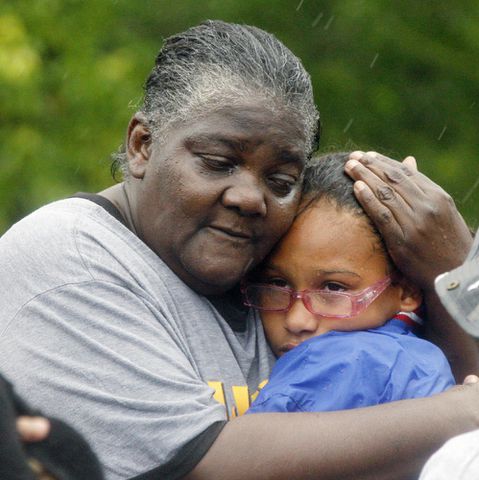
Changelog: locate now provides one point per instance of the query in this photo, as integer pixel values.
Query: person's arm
(425, 235)
(390, 441)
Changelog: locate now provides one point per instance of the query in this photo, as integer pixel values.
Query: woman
(120, 308)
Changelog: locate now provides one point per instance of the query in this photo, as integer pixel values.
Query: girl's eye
(334, 287)
(282, 184)
(217, 163)
(277, 282)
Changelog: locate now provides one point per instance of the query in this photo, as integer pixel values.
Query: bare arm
(390, 441)
(425, 235)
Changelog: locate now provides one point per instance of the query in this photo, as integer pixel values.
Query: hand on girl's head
(409, 209)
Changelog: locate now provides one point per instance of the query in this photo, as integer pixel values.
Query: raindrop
(330, 21)
(442, 133)
(317, 19)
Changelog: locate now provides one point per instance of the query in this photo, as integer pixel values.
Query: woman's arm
(425, 235)
(390, 441)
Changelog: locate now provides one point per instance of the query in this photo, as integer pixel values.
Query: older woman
(119, 310)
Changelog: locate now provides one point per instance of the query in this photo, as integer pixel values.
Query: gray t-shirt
(95, 329)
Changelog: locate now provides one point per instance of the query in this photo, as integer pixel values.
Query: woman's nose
(300, 321)
(246, 195)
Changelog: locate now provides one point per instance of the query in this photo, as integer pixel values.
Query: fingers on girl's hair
(360, 170)
(356, 155)
(367, 158)
(384, 167)
(380, 214)
(392, 181)
(410, 162)
(361, 165)
(351, 168)
(366, 178)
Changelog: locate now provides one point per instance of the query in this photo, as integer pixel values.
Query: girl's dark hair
(325, 178)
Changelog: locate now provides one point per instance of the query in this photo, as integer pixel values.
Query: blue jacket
(343, 370)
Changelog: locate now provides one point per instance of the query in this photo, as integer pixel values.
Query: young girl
(337, 312)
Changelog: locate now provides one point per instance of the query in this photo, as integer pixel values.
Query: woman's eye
(217, 164)
(334, 287)
(282, 184)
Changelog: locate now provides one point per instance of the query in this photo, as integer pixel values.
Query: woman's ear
(138, 146)
(411, 296)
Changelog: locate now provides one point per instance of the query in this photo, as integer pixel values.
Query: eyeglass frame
(358, 304)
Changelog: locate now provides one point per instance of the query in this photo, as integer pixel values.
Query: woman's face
(218, 192)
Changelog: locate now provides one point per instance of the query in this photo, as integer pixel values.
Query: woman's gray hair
(216, 64)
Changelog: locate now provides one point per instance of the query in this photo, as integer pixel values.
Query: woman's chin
(215, 278)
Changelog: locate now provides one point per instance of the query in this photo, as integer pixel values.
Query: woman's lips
(237, 234)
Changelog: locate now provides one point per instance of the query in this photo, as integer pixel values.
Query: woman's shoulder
(73, 240)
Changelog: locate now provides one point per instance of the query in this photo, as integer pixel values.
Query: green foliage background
(400, 77)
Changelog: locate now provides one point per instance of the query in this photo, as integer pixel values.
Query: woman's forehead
(244, 127)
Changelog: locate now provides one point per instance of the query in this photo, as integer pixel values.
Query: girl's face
(328, 248)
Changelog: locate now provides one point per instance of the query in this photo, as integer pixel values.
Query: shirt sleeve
(105, 360)
(357, 369)
(417, 369)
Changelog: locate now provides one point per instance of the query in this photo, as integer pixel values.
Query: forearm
(386, 442)
(460, 348)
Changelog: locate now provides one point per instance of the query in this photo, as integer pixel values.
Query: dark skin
(386, 442)
(227, 186)
(390, 441)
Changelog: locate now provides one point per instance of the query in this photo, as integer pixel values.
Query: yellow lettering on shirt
(219, 394)
(242, 398)
(260, 386)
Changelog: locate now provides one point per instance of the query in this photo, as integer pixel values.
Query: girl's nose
(300, 321)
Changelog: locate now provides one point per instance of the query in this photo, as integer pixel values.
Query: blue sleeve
(420, 370)
(346, 370)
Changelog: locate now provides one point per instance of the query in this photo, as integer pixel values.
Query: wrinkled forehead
(247, 127)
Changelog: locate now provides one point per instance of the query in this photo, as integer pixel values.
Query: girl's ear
(411, 296)
(138, 146)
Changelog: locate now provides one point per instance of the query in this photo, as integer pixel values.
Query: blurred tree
(397, 77)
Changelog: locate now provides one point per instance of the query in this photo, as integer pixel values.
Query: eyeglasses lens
(267, 298)
(273, 298)
(329, 304)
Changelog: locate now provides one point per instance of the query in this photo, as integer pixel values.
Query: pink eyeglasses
(325, 303)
